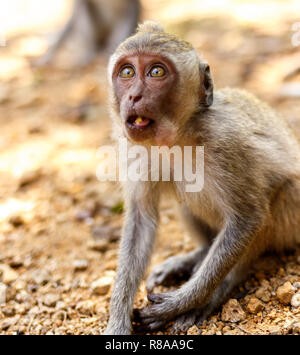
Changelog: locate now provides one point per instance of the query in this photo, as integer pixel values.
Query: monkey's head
(158, 82)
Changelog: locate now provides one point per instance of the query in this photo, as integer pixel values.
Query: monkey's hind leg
(180, 267)
(220, 295)
(175, 268)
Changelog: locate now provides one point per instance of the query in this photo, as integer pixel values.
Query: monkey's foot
(173, 270)
(166, 308)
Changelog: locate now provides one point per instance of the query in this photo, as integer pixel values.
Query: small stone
(7, 323)
(295, 301)
(194, 330)
(295, 327)
(232, 312)
(5, 96)
(9, 311)
(285, 293)
(274, 330)
(263, 294)
(296, 285)
(80, 265)
(51, 299)
(106, 232)
(29, 177)
(86, 308)
(102, 285)
(83, 215)
(293, 269)
(254, 306)
(16, 220)
(41, 277)
(16, 262)
(3, 290)
(98, 245)
(7, 274)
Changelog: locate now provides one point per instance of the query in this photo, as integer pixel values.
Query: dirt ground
(60, 226)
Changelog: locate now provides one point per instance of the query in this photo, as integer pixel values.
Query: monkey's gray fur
(250, 202)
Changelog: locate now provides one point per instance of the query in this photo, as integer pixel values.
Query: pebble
(86, 307)
(263, 294)
(232, 312)
(296, 285)
(7, 323)
(98, 245)
(51, 299)
(9, 311)
(106, 232)
(3, 289)
(80, 265)
(293, 269)
(295, 301)
(295, 327)
(285, 293)
(7, 274)
(102, 285)
(254, 306)
(16, 262)
(29, 177)
(194, 330)
(16, 220)
(274, 329)
(41, 277)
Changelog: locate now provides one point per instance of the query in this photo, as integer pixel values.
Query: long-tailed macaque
(162, 94)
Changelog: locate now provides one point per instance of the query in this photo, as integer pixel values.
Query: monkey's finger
(156, 278)
(148, 327)
(143, 315)
(156, 297)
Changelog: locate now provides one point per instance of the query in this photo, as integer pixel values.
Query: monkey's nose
(135, 98)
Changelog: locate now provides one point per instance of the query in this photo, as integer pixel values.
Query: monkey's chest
(203, 204)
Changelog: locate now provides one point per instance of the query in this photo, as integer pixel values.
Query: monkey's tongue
(141, 122)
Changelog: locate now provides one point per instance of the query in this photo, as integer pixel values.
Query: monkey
(101, 25)
(162, 94)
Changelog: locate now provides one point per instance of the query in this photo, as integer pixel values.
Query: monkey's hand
(164, 308)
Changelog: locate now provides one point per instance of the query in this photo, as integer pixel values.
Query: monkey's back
(252, 159)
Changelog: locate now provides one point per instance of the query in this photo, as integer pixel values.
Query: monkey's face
(145, 89)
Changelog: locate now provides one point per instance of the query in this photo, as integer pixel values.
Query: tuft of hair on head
(150, 26)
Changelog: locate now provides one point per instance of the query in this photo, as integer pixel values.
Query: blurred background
(59, 226)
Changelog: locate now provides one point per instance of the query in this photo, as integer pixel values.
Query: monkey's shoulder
(237, 115)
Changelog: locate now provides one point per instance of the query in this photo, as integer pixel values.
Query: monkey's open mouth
(139, 121)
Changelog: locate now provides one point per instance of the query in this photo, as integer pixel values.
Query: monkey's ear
(206, 86)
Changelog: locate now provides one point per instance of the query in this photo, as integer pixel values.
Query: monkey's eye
(127, 72)
(157, 72)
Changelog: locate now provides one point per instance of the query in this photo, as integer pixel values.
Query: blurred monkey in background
(100, 25)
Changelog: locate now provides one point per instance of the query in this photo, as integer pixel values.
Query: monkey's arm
(226, 252)
(135, 250)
